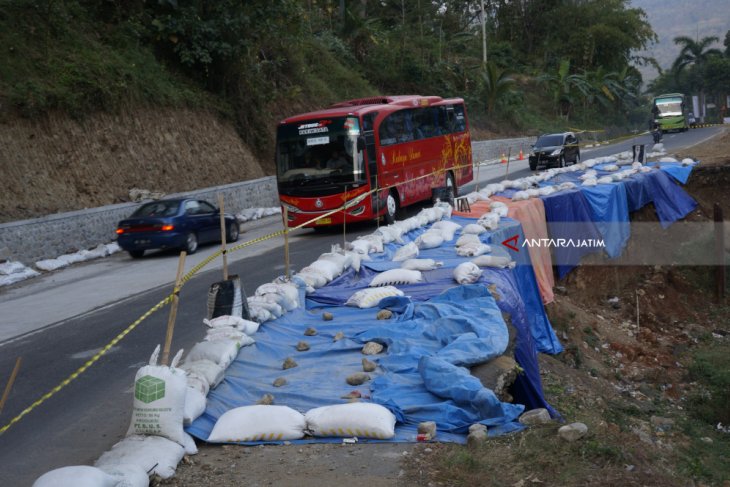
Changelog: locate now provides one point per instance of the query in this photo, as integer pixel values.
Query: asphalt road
(59, 321)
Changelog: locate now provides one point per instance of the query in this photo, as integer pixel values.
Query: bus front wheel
(391, 208)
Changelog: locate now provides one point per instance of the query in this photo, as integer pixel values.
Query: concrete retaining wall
(29, 241)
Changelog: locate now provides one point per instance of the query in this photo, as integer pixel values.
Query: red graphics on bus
(372, 155)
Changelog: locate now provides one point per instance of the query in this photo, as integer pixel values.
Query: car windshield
(549, 140)
(157, 208)
(319, 152)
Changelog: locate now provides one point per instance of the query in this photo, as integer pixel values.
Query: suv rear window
(549, 140)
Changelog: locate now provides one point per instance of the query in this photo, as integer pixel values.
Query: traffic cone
(503, 160)
(522, 156)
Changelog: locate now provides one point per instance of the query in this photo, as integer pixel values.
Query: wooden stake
(344, 221)
(9, 385)
(478, 167)
(223, 237)
(720, 254)
(637, 316)
(286, 242)
(509, 155)
(173, 309)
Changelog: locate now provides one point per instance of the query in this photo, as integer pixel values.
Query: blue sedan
(173, 224)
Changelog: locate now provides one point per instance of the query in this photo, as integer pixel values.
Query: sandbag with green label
(159, 400)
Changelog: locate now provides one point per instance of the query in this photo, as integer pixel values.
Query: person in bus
(337, 161)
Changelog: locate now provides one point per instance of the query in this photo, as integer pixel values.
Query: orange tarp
(531, 214)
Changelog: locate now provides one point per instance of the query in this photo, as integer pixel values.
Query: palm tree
(497, 83)
(694, 53)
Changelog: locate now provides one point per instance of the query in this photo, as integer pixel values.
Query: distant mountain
(673, 18)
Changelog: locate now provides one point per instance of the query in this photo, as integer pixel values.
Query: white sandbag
(258, 423)
(360, 419)
(259, 313)
(468, 238)
(396, 276)
(668, 159)
(375, 242)
(494, 261)
(128, 475)
(355, 261)
(260, 302)
(590, 182)
(224, 321)
(339, 259)
(589, 174)
(467, 273)
(473, 228)
(421, 264)
(368, 298)
(221, 352)
(687, 161)
(610, 168)
(362, 247)
(194, 405)
(154, 454)
(473, 249)
(159, 399)
(520, 196)
(287, 291)
(429, 240)
(500, 211)
(533, 193)
(408, 251)
(446, 207)
(312, 277)
(197, 380)
(328, 268)
(76, 476)
(207, 369)
(489, 221)
(189, 445)
(645, 169)
(546, 190)
(228, 333)
(448, 229)
(604, 180)
(566, 185)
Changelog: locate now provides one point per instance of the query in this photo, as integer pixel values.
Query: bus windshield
(669, 107)
(319, 152)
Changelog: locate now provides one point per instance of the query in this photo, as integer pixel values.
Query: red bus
(403, 146)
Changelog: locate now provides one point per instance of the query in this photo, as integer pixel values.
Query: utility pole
(484, 38)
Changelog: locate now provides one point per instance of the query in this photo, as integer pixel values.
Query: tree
(694, 52)
(497, 84)
(563, 85)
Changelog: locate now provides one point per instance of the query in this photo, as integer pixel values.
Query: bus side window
(460, 121)
(388, 131)
(420, 120)
(435, 113)
(450, 119)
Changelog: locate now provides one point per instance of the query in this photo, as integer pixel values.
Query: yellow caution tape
(167, 300)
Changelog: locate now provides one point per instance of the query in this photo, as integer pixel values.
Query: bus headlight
(290, 208)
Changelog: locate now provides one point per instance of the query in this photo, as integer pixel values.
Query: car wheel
(191, 243)
(232, 232)
(136, 254)
(451, 184)
(533, 166)
(577, 158)
(561, 161)
(391, 208)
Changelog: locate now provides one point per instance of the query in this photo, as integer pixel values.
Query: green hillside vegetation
(552, 64)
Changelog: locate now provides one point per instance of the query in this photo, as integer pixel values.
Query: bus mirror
(360, 143)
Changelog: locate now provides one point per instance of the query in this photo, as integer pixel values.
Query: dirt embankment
(59, 164)
(631, 336)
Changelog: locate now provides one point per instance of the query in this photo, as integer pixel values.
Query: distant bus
(401, 146)
(669, 112)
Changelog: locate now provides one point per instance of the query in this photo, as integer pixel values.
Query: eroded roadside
(644, 390)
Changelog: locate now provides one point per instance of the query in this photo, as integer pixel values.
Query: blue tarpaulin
(610, 212)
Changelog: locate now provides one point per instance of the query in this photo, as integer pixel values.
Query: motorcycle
(657, 135)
